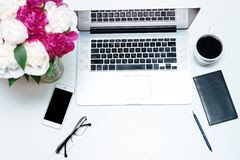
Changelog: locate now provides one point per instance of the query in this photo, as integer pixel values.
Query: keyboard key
(99, 67)
(170, 60)
(105, 45)
(120, 50)
(144, 49)
(162, 67)
(105, 67)
(167, 49)
(121, 55)
(128, 14)
(160, 60)
(154, 60)
(161, 49)
(119, 61)
(131, 67)
(164, 44)
(168, 66)
(136, 60)
(171, 13)
(95, 56)
(124, 61)
(94, 50)
(139, 55)
(145, 55)
(173, 49)
(151, 55)
(127, 55)
(112, 67)
(115, 55)
(137, 49)
(166, 18)
(125, 50)
(163, 55)
(130, 60)
(104, 55)
(142, 60)
(171, 43)
(158, 44)
(157, 14)
(93, 67)
(93, 45)
(148, 61)
(155, 49)
(105, 15)
(171, 55)
(93, 15)
(163, 13)
(134, 44)
(122, 14)
(157, 55)
(106, 61)
(112, 61)
(156, 66)
(133, 55)
(149, 50)
(109, 55)
(149, 66)
(102, 50)
(174, 67)
(96, 61)
(99, 15)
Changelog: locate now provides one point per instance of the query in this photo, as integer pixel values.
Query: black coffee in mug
(209, 47)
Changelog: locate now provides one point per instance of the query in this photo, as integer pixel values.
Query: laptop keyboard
(133, 54)
(133, 15)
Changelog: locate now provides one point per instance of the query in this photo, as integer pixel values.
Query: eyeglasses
(78, 130)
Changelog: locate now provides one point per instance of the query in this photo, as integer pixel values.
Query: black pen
(202, 131)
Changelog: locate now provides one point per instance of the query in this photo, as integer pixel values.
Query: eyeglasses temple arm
(61, 145)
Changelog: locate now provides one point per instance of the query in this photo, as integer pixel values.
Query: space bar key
(130, 67)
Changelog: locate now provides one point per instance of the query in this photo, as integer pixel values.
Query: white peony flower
(37, 58)
(1, 41)
(60, 18)
(9, 8)
(13, 31)
(8, 65)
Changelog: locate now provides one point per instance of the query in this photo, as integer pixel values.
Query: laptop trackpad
(136, 88)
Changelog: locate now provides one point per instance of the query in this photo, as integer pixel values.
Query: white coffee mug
(208, 48)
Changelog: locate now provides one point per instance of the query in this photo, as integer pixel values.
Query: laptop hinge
(147, 29)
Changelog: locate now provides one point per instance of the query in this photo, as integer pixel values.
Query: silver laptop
(134, 56)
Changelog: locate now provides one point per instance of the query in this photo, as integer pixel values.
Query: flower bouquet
(33, 35)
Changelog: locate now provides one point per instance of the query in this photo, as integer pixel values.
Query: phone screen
(58, 106)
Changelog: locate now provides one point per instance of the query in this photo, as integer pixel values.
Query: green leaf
(11, 81)
(20, 55)
(69, 29)
(36, 79)
(26, 76)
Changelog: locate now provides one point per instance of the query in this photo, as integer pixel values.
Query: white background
(128, 132)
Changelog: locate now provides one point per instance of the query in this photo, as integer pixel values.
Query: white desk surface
(132, 132)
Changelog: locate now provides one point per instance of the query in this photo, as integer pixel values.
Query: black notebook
(215, 97)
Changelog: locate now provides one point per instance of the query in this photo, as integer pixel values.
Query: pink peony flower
(33, 18)
(37, 3)
(57, 1)
(58, 44)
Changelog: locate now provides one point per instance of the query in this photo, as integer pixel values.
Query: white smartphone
(58, 105)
